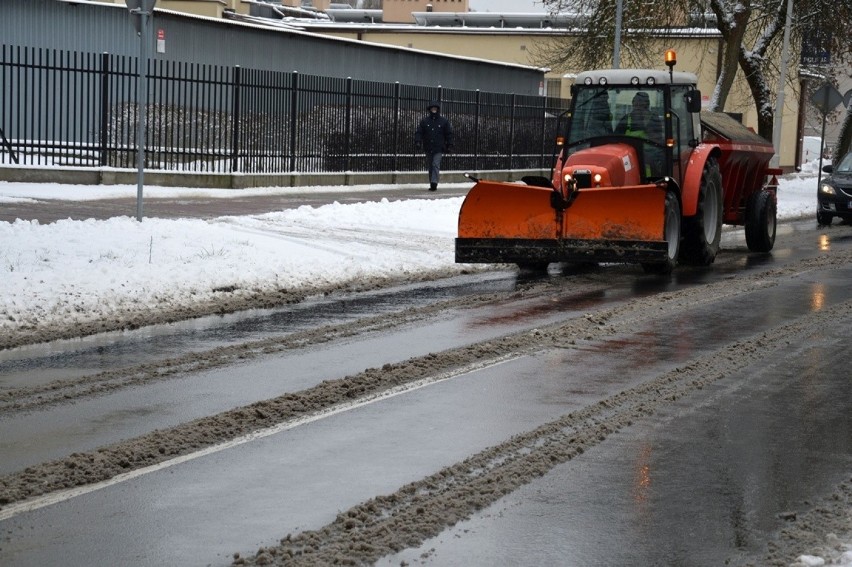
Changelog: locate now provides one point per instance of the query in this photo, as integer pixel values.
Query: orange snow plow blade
(507, 210)
(511, 223)
(617, 213)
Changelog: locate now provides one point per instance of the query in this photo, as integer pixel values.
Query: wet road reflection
(707, 482)
(74, 358)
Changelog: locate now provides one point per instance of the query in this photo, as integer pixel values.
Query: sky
(87, 270)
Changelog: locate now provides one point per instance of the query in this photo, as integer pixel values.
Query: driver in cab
(640, 122)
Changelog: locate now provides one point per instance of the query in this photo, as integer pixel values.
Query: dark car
(834, 197)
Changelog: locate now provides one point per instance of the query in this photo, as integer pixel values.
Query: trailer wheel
(823, 219)
(671, 234)
(760, 221)
(703, 232)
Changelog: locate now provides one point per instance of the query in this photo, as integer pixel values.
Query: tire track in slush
(423, 509)
(80, 469)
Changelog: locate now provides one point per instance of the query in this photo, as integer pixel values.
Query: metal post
(512, 133)
(476, 130)
(347, 127)
(235, 119)
(142, 10)
(142, 90)
(294, 116)
(396, 111)
(616, 50)
(105, 111)
(821, 148)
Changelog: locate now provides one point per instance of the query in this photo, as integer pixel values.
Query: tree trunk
(732, 26)
(760, 93)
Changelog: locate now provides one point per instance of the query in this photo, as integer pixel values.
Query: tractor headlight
(827, 189)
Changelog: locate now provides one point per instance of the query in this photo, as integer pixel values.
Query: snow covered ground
(96, 269)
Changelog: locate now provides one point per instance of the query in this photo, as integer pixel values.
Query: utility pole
(616, 50)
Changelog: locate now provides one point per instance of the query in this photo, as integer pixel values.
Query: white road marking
(63, 495)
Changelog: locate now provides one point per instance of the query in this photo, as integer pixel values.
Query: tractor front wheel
(703, 232)
(671, 234)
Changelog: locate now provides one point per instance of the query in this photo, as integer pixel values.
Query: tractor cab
(650, 117)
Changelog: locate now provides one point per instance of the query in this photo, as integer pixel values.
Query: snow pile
(84, 270)
(78, 271)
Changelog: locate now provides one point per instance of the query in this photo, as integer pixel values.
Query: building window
(553, 88)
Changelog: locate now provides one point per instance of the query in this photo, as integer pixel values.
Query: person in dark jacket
(435, 136)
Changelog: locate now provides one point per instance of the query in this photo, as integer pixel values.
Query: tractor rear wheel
(671, 234)
(703, 232)
(760, 221)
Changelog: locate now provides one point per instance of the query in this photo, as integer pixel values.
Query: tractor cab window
(592, 115)
(683, 128)
(640, 113)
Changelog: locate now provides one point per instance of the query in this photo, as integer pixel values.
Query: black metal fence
(80, 109)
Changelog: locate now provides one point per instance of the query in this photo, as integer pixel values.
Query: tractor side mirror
(693, 100)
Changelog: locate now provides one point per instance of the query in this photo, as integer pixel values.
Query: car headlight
(826, 189)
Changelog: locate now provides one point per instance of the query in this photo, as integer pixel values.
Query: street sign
(139, 9)
(815, 48)
(826, 98)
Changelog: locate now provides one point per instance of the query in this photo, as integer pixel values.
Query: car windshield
(845, 165)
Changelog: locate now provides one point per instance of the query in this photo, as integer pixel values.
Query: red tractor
(640, 175)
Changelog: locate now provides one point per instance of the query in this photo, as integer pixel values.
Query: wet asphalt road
(701, 482)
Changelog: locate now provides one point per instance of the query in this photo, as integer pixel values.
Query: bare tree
(751, 31)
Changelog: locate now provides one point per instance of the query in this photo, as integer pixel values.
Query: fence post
(544, 144)
(476, 130)
(105, 108)
(235, 119)
(396, 107)
(6, 143)
(347, 137)
(512, 133)
(294, 101)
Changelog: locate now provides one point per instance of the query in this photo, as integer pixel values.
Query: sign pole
(141, 10)
(142, 89)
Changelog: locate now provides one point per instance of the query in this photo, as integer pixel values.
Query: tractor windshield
(609, 111)
(603, 111)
